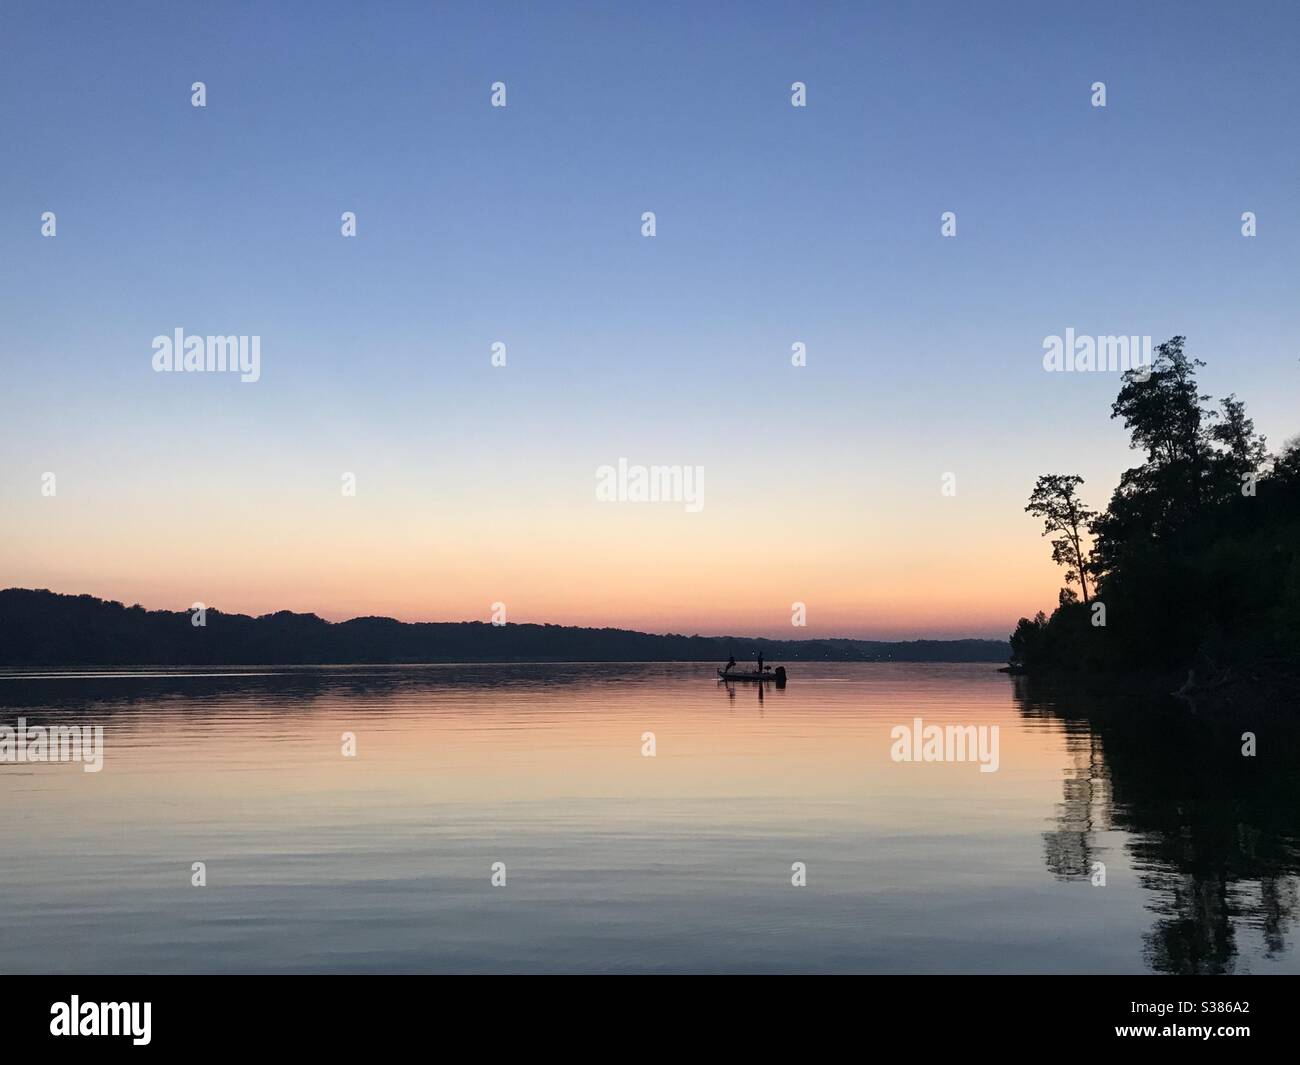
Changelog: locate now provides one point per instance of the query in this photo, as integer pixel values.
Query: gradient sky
(522, 225)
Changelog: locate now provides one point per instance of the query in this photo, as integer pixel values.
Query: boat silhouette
(776, 676)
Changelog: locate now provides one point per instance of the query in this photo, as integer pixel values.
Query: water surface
(615, 861)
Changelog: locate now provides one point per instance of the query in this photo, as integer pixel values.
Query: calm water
(616, 861)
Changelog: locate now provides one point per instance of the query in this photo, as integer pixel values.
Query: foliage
(1196, 559)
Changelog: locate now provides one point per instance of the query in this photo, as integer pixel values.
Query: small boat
(777, 675)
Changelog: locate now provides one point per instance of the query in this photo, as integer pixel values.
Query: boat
(777, 675)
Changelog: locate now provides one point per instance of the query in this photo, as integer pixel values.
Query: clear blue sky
(476, 224)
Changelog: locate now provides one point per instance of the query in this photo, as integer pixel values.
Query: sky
(774, 225)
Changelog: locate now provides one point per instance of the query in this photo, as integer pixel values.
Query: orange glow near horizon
(732, 572)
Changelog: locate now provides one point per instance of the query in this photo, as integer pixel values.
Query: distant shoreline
(234, 671)
(40, 629)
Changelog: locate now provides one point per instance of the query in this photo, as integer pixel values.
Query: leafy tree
(1286, 467)
(1055, 500)
(1245, 451)
(1194, 572)
(1237, 433)
(1162, 408)
(1026, 641)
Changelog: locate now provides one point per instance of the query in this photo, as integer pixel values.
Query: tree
(1055, 500)
(1026, 641)
(1160, 404)
(1164, 411)
(1286, 467)
(1246, 451)
(1194, 571)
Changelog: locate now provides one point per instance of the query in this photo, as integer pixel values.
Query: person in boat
(731, 663)
(760, 661)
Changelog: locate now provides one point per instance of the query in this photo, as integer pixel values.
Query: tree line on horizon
(40, 628)
(1195, 562)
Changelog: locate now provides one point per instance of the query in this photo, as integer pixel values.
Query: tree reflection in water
(1214, 836)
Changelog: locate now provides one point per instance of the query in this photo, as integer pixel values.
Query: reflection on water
(621, 862)
(1212, 834)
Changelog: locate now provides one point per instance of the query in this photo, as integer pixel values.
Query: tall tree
(1245, 451)
(1056, 501)
(1163, 409)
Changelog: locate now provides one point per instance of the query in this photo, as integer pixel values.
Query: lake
(754, 831)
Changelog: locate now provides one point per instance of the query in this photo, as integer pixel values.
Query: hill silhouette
(40, 628)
